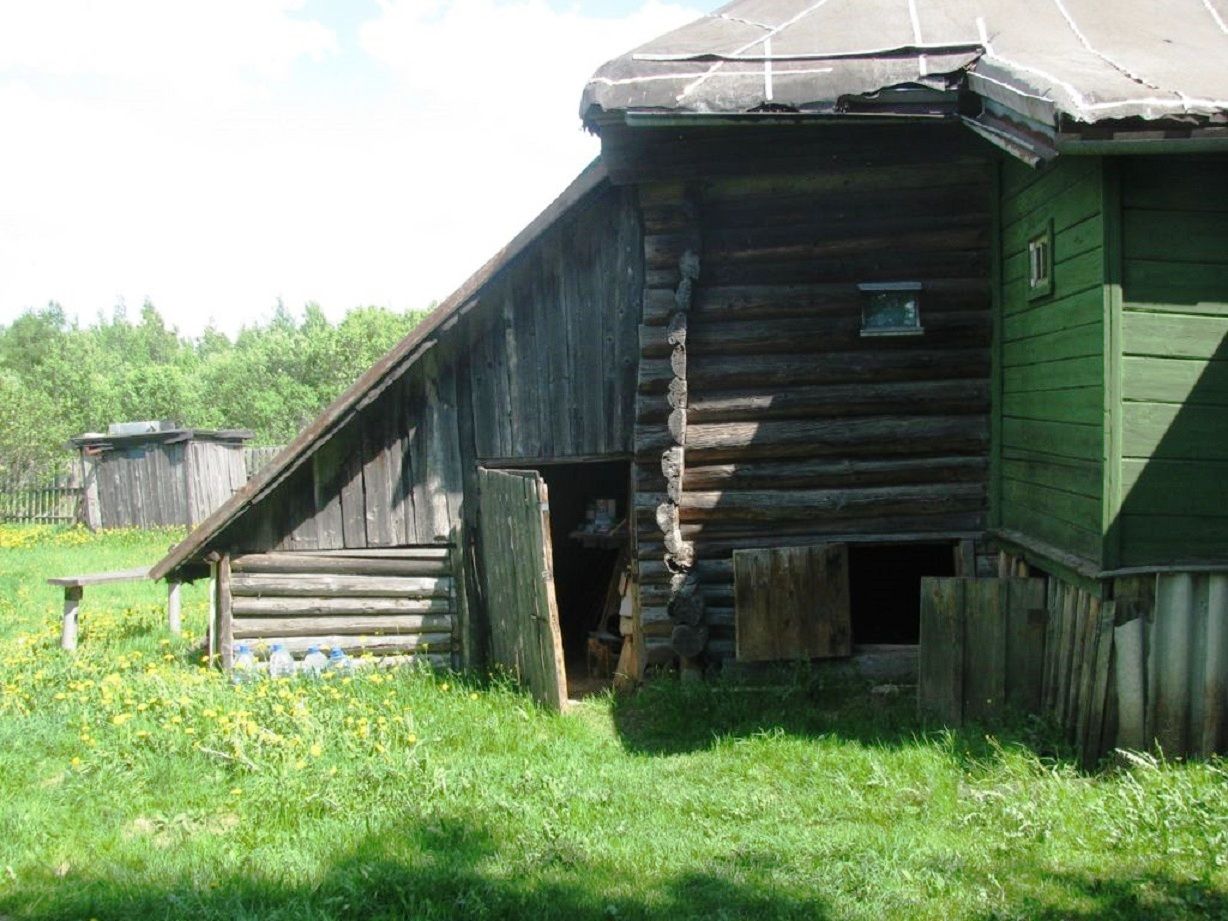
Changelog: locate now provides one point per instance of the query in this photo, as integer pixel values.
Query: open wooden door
(519, 577)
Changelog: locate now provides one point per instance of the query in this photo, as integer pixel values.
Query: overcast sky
(214, 157)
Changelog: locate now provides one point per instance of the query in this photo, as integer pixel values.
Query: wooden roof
(377, 378)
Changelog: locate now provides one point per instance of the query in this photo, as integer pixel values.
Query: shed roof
(167, 435)
(1087, 60)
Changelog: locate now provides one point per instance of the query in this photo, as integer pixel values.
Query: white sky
(214, 157)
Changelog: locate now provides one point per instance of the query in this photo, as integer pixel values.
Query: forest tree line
(59, 378)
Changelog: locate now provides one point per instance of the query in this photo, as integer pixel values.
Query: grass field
(137, 783)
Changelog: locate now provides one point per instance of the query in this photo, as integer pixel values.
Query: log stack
(399, 601)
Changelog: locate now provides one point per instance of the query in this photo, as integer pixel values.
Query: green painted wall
(1049, 415)
(1173, 373)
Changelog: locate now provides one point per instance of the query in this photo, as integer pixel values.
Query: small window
(1040, 263)
(891, 308)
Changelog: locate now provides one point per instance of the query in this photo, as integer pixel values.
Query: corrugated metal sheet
(1172, 667)
(1088, 59)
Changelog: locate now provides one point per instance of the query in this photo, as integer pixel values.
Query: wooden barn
(874, 324)
(158, 474)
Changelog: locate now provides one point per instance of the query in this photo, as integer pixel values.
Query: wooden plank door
(792, 603)
(981, 647)
(519, 579)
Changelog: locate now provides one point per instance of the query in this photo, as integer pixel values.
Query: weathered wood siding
(541, 365)
(1174, 361)
(553, 349)
(214, 470)
(151, 484)
(1050, 360)
(798, 429)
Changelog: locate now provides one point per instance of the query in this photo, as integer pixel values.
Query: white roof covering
(1086, 59)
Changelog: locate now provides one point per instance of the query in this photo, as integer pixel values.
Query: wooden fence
(26, 503)
(255, 457)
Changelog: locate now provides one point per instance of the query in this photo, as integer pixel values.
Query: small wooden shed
(158, 474)
(849, 302)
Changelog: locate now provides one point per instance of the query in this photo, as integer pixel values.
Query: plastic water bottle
(281, 663)
(338, 661)
(244, 668)
(314, 662)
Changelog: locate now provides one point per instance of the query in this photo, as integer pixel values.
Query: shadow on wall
(1174, 331)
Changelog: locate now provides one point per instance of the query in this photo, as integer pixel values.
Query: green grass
(135, 782)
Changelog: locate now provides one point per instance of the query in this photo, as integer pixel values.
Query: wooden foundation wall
(1144, 668)
(399, 601)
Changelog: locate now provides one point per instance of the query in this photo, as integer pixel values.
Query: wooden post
(212, 622)
(225, 618)
(72, 604)
(172, 607)
(92, 511)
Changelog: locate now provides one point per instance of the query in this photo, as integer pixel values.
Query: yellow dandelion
(316, 750)
(236, 791)
(120, 718)
(168, 657)
(411, 738)
(332, 772)
(444, 686)
(189, 731)
(75, 762)
(60, 695)
(473, 695)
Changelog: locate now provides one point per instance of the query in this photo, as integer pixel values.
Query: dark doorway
(586, 557)
(885, 589)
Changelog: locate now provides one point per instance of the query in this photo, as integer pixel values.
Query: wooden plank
(985, 638)
(100, 578)
(1094, 743)
(1165, 430)
(341, 565)
(324, 584)
(324, 606)
(554, 677)
(1026, 623)
(1173, 380)
(225, 613)
(792, 603)
(389, 625)
(941, 655)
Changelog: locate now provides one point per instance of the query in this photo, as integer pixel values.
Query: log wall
(798, 430)
(404, 602)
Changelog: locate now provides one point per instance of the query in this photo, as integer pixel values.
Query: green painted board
(1061, 439)
(1173, 380)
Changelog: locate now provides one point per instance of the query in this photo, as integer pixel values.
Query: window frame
(879, 287)
(1039, 252)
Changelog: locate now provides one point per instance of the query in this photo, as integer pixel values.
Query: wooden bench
(74, 591)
